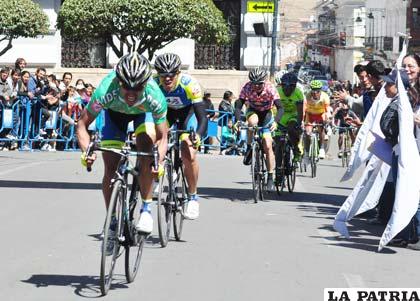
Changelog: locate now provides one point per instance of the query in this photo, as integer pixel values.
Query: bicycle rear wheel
(164, 205)
(135, 243)
(115, 209)
(280, 170)
(180, 200)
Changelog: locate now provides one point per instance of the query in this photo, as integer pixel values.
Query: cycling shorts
(314, 118)
(265, 120)
(114, 132)
(288, 117)
(184, 116)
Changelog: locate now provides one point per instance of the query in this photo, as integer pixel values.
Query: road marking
(19, 168)
(354, 280)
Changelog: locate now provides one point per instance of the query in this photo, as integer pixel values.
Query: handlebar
(126, 152)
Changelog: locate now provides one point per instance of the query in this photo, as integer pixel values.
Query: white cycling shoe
(145, 223)
(192, 210)
(321, 153)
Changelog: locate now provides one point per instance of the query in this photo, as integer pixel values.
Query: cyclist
(315, 110)
(125, 95)
(260, 95)
(345, 118)
(292, 106)
(184, 98)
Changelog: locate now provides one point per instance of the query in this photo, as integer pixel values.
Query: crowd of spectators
(36, 102)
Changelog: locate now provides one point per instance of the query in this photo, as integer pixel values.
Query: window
(416, 17)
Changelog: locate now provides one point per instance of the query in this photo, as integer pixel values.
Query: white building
(47, 50)
(350, 32)
(384, 20)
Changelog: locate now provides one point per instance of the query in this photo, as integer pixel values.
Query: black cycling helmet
(258, 75)
(289, 79)
(167, 63)
(133, 70)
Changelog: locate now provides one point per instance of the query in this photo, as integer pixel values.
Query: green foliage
(21, 18)
(142, 25)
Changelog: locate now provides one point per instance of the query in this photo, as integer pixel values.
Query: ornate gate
(89, 53)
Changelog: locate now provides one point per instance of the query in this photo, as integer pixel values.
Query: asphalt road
(282, 249)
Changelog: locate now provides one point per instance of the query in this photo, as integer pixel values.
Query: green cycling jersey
(108, 96)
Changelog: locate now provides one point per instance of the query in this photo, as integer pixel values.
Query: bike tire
(108, 262)
(291, 175)
(180, 200)
(280, 171)
(313, 156)
(134, 246)
(164, 205)
(256, 173)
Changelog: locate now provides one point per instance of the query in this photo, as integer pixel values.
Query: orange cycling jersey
(316, 107)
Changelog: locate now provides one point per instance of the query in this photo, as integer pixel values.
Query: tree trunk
(7, 47)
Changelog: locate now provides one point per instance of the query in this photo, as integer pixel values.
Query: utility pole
(274, 38)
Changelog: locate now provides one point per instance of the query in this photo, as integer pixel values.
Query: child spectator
(229, 139)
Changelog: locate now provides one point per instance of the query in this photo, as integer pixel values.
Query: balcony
(380, 43)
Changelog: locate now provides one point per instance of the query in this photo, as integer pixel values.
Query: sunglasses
(136, 89)
(169, 74)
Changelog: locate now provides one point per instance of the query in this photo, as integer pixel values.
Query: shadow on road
(50, 185)
(85, 286)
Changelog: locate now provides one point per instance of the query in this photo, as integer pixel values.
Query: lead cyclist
(126, 95)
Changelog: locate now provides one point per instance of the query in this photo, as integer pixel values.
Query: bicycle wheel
(108, 262)
(280, 170)
(164, 205)
(135, 243)
(179, 200)
(256, 173)
(291, 172)
(313, 154)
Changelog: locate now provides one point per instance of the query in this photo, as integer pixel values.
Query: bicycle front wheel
(134, 246)
(164, 205)
(313, 154)
(291, 174)
(280, 170)
(109, 257)
(256, 168)
(179, 200)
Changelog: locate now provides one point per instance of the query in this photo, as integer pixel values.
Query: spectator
(5, 86)
(52, 81)
(88, 94)
(20, 64)
(50, 104)
(226, 103)
(411, 63)
(14, 133)
(210, 115)
(38, 86)
(228, 143)
(73, 108)
(390, 127)
(64, 84)
(25, 98)
(81, 92)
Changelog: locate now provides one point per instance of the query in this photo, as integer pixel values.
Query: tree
(142, 25)
(21, 18)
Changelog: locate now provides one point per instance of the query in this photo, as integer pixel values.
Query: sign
(260, 7)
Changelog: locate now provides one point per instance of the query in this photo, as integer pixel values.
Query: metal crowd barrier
(55, 129)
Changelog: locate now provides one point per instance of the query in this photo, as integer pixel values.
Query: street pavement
(281, 249)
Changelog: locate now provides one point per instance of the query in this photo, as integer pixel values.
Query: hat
(392, 78)
(80, 87)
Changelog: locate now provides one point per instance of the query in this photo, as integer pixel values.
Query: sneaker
(270, 183)
(110, 243)
(192, 210)
(45, 147)
(42, 132)
(11, 137)
(248, 156)
(321, 153)
(340, 154)
(145, 223)
(52, 149)
(14, 146)
(26, 147)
